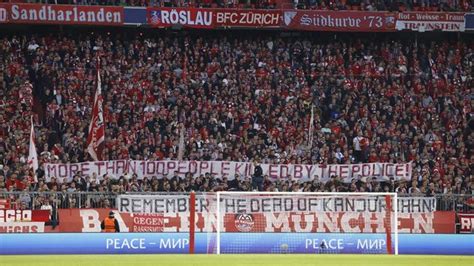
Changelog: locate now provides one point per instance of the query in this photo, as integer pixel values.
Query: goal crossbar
(392, 196)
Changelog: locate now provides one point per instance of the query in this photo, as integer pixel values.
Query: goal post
(306, 222)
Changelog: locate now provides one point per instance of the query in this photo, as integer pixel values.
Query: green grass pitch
(234, 260)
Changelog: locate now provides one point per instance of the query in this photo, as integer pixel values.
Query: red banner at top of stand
(61, 14)
(213, 18)
(312, 20)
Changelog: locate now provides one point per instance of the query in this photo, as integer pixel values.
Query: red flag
(96, 137)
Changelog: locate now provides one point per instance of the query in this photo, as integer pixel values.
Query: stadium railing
(66, 200)
(457, 203)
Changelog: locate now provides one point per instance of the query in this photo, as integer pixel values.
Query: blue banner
(135, 15)
(176, 243)
(469, 19)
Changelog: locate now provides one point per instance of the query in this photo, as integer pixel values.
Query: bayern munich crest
(244, 222)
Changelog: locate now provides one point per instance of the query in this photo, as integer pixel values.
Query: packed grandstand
(239, 98)
(262, 97)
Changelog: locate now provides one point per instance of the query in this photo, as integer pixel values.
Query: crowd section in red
(240, 96)
(355, 5)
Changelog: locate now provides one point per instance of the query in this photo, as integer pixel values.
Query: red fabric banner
(310, 20)
(438, 222)
(213, 18)
(11, 215)
(61, 14)
(88, 220)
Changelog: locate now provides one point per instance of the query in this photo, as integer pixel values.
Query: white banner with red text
(466, 223)
(430, 21)
(160, 169)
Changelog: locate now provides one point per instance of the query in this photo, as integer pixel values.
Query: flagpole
(311, 129)
(96, 136)
(101, 151)
(181, 143)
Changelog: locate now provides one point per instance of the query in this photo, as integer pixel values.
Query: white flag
(32, 154)
(311, 128)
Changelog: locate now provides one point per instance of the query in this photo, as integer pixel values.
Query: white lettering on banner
(288, 214)
(247, 18)
(328, 221)
(426, 21)
(117, 243)
(3, 15)
(15, 215)
(21, 227)
(115, 169)
(371, 244)
(185, 17)
(329, 21)
(372, 220)
(180, 204)
(47, 13)
(169, 243)
(466, 221)
(91, 221)
(422, 222)
(324, 222)
(315, 243)
(315, 222)
(278, 221)
(426, 16)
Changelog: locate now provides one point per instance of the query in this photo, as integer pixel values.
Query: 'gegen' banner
(115, 169)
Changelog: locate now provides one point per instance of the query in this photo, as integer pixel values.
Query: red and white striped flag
(32, 154)
(96, 137)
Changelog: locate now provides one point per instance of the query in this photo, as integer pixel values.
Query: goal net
(322, 223)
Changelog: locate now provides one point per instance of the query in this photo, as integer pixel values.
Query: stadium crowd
(239, 97)
(368, 5)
